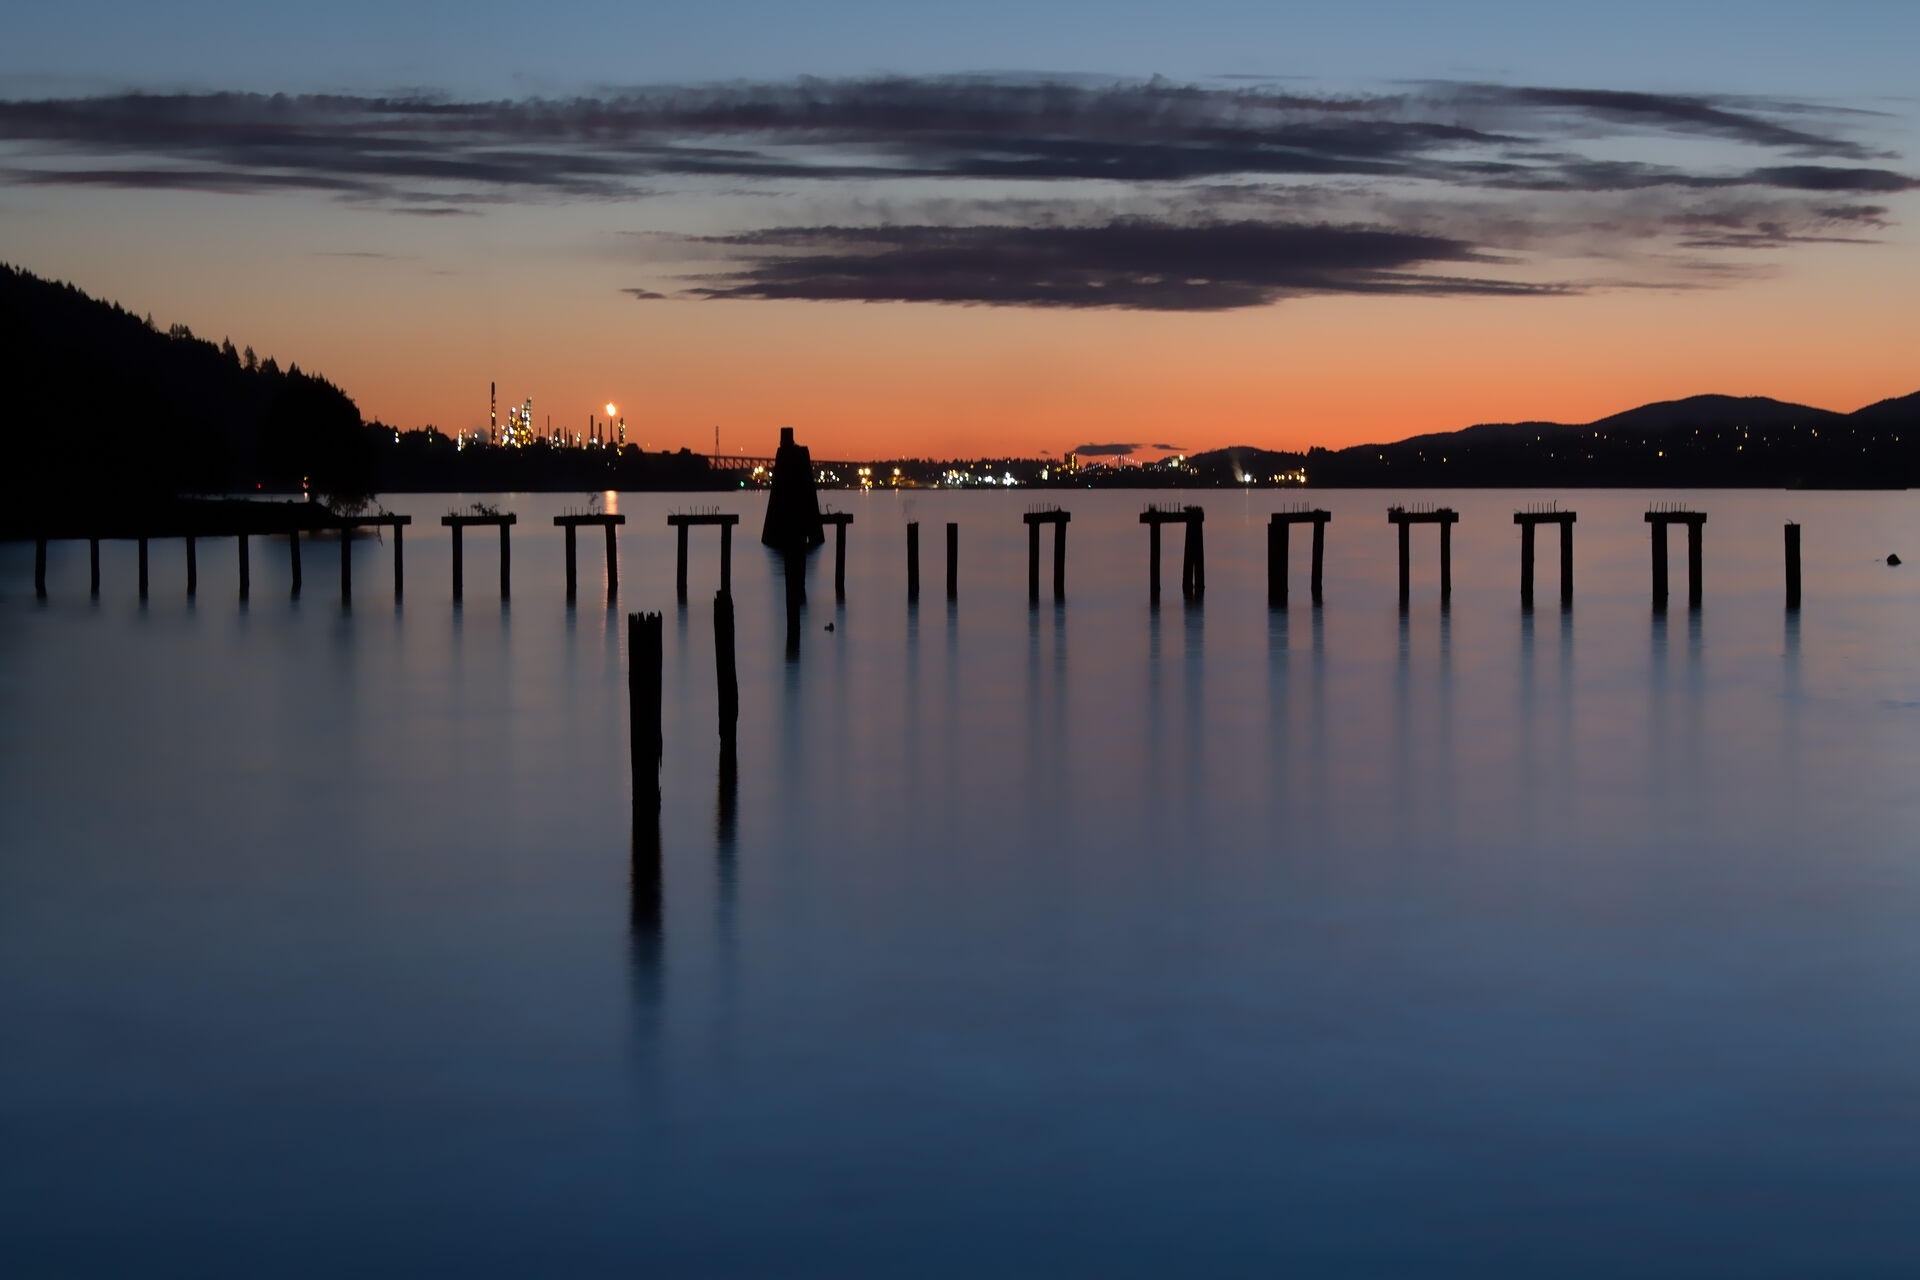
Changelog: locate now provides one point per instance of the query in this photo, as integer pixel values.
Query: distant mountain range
(1700, 442)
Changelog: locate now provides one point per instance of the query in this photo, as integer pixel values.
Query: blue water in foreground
(1078, 940)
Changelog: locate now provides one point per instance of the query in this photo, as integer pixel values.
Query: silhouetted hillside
(106, 406)
(1702, 441)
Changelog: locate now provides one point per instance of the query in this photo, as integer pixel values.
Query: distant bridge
(741, 462)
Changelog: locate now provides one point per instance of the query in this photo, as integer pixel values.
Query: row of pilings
(795, 547)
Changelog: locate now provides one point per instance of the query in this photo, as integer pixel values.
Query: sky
(995, 228)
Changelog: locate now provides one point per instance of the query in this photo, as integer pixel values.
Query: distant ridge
(1701, 441)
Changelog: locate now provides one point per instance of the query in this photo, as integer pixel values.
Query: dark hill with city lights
(109, 405)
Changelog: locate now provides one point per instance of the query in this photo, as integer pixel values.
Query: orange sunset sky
(938, 263)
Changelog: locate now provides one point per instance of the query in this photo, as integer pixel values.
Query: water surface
(1081, 939)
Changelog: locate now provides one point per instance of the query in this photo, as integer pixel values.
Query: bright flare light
(610, 409)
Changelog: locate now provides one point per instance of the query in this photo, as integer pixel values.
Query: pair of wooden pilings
(459, 523)
(645, 666)
(607, 521)
(1694, 520)
(913, 561)
(1058, 519)
(1193, 558)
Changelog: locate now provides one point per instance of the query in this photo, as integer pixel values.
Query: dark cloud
(645, 295)
(1185, 197)
(1170, 448)
(1806, 177)
(1105, 450)
(1135, 264)
(1676, 113)
(959, 127)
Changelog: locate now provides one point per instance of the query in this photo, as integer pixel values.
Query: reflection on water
(1208, 939)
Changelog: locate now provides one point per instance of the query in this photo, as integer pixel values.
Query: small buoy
(829, 626)
(1893, 559)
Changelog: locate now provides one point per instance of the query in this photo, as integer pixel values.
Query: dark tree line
(102, 406)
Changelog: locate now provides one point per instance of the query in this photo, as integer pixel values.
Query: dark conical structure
(793, 507)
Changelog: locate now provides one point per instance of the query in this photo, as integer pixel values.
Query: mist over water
(1068, 939)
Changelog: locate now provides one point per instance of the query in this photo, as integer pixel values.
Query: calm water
(1068, 941)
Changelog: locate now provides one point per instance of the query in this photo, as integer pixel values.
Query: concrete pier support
(1695, 522)
(839, 520)
(913, 561)
(1058, 519)
(681, 521)
(246, 566)
(1446, 518)
(953, 561)
(1529, 522)
(1279, 535)
(1793, 566)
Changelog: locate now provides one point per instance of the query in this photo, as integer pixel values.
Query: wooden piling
(346, 564)
(1060, 560)
(293, 551)
(1566, 562)
(1693, 563)
(1197, 553)
(645, 744)
(1793, 566)
(1277, 538)
(1526, 565)
(459, 566)
(1660, 565)
(840, 560)
(680, 567)
(193, 569)
(1319, 555)
(40, 568)
(1406, 565)
(399, 568)
(726, 671)
(613, 563)
(1033, 562)
(93, 557)
(1153, 562)
(1446, 563)
(506, 563)
(246, 566)
(953, 561)
(913, 561)
(726, 557)
(573, 577)
(143, 568)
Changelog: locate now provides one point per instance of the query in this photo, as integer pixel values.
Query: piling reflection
(645, 916)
